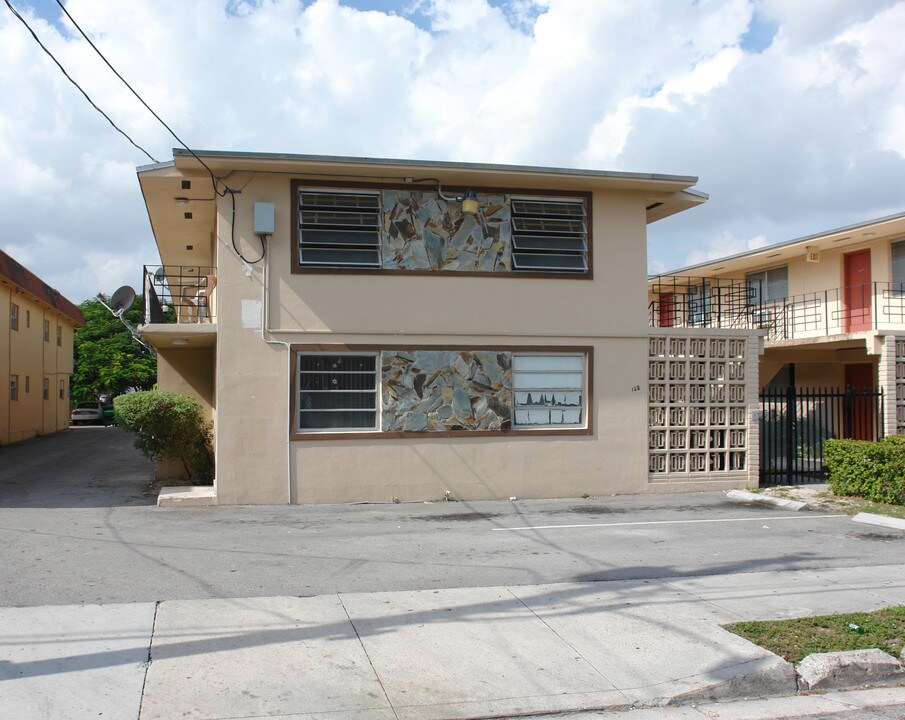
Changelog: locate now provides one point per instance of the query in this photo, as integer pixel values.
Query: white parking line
(672, 522)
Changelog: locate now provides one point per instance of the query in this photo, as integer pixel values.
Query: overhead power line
(140, 98)
(77, 86)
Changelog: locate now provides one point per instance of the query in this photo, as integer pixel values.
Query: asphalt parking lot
(75, 528)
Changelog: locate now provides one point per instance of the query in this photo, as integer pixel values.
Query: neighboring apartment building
(35, 354)
(832, 306)
(405, 329)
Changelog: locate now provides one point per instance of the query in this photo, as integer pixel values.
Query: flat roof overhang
(167, 201)
(850, 237)
(179, 336)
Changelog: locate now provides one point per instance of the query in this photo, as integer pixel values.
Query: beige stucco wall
(256, 461)
(23, 352)
(190, 372)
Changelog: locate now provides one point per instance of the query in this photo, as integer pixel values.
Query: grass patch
(797, 638)
(854, 505)
(848, 504)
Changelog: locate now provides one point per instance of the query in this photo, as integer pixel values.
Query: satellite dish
(159, 275)
(122, 300)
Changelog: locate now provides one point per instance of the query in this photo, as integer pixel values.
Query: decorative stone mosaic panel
(421, 231)
(435, 390)
(697, 405)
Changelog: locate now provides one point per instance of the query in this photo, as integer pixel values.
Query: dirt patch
(877, 537)
(459, 517)
(586, 510)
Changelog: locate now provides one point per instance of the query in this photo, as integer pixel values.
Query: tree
(107, 359)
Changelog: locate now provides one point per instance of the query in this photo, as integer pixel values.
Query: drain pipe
(267, 336)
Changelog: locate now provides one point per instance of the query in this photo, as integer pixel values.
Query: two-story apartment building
(35, 354)
(362, 330)
(832, 306)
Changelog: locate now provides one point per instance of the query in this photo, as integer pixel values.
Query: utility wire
(140, 98)
(78, 87)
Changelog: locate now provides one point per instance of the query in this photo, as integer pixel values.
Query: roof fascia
(768, 249)
(372, 166)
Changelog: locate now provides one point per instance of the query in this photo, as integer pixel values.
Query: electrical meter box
(263, 219)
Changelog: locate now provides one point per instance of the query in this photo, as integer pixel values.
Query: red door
(667, 310)
(858, 407)
(857, 292)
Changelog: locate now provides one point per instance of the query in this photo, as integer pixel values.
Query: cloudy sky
(791, 112)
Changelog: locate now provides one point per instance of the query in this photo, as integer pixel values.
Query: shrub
(872, 470)
(168, 425)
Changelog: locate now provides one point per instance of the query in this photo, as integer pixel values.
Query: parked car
(88, 413)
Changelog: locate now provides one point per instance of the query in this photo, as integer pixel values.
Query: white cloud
(803, 136)
(723, 245)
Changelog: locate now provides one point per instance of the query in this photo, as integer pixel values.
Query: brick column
(890, 376)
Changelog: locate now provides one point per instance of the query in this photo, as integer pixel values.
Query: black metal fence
(797, 421)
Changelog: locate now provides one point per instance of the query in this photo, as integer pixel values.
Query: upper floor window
(339, 228)
(768, 285)
(417, 228)
(27, 318)
(59, 336)
(13, 387)
(47, 331)
(13, 316)
(898, 264)
(549, 235)
(699, 304)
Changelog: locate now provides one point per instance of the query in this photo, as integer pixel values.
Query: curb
(756, 498)
(881, 520)
(848, 669)
(187, 496)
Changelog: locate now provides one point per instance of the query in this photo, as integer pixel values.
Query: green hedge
(872, 470)
(168, 425)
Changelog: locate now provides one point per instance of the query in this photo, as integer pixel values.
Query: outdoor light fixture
(469, 200)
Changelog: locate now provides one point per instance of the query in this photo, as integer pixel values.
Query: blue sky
(790, 112)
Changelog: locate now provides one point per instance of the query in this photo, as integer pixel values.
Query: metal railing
(731, 303)
(179, 294)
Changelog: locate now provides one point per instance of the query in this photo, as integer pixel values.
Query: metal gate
(795, 422)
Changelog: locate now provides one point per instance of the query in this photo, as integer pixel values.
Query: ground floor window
(440, 389)
(549, 390)
(337, 392)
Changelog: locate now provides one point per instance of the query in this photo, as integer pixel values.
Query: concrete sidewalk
(460, 653)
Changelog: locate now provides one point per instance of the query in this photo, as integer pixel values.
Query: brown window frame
(298, 269)
(59, 336)
(513, 432)
(47, 331)
(13, 388)
(14, 317)
(45, 389)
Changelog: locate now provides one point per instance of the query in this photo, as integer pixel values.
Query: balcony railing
(179, 294)
(723, 303)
